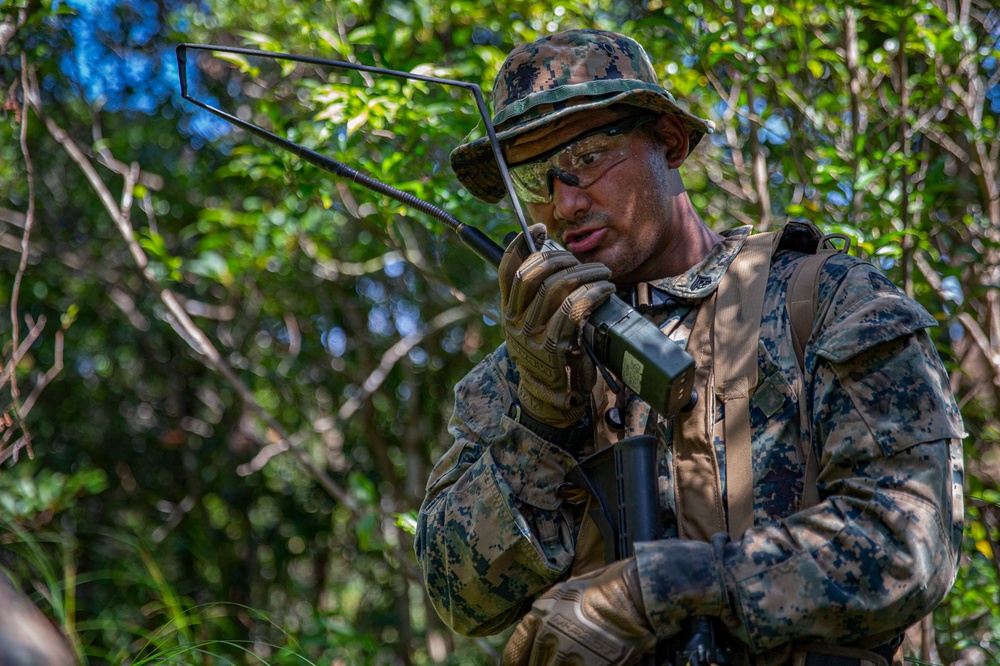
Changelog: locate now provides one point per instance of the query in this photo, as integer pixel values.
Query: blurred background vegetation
(226, 374)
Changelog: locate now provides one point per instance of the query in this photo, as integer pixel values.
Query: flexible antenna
(471, 236)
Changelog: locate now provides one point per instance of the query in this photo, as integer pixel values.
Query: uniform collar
(703, 278)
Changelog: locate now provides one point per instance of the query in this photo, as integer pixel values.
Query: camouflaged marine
(502, 537)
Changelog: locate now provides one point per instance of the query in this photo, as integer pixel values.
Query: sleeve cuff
(679, 579)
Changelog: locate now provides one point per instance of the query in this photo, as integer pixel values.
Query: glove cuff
(571, 440)
(634, 584)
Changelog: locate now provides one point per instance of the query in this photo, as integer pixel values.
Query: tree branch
(396, 352)
(33, 332)
(758, 159)
(29, 220)
(179, 320)
(50, 374)
(22, 410)
(9, 27)
(979, 337)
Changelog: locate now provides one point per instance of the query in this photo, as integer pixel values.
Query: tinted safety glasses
(578, 163)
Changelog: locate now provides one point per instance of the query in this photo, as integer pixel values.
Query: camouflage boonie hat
(558, 75)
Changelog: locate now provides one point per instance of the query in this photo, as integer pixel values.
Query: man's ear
(674, 136)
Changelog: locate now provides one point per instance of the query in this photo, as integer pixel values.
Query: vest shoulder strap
(802, 302)
(737, 331)
(803, 299)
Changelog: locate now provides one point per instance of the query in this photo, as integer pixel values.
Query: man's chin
(622, 273)
(596, 257)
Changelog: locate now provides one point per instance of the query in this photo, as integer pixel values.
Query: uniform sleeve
(880, 549)
(492, 533)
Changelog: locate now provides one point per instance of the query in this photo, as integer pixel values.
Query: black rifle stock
(624, 483)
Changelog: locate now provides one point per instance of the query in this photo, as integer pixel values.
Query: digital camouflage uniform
(875, 555)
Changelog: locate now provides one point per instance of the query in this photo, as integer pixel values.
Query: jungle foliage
(226, 374)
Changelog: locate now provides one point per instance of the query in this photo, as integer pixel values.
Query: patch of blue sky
(373, 290)
(119, 62)
(951, 289)
(380, 321)
(993, 95)
(394, 268)
(335, 341)
(418, 356)
(407, 317)
(990, 64)
(837, 198)
(775, 130)
(842, 195)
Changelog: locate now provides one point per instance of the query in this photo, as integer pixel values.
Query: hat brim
(475, 165)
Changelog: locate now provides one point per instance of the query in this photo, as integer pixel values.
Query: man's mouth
(582, 241)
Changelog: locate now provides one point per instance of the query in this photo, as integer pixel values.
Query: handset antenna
(475, 239)
(632, 347)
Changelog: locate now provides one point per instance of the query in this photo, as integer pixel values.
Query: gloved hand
(546, 297)
(597, 618)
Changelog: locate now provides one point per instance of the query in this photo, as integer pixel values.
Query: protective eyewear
(578, 163)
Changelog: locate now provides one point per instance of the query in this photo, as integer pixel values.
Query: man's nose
(564, 176)
(569, 200)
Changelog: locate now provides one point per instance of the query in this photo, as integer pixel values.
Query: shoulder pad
(863, 309)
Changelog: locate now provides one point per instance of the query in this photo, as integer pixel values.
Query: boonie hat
(555, 76)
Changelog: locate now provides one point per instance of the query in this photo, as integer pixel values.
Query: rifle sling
(802, 302)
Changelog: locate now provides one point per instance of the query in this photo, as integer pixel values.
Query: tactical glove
(546, 297)
(597, 618)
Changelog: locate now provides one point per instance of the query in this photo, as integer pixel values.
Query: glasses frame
(618, 128)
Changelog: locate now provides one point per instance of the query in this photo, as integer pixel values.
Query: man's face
(623, 218)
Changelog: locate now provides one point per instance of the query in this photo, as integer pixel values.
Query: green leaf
(407, 522)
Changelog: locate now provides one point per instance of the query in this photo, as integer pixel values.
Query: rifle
(622, 479)
(622, 342)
